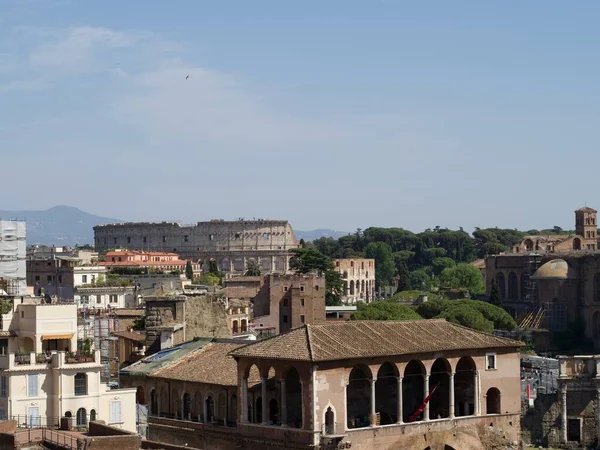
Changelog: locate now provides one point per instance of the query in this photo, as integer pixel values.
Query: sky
(337, 114)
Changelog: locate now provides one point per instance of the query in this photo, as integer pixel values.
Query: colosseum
(231, 245)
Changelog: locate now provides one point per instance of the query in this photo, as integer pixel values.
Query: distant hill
(319, 233)
(59, 225)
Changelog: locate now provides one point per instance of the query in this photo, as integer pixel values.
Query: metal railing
(25, 421)
(22, 359)
(62, 439)
(78, 358)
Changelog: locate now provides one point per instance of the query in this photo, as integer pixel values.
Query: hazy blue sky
(338, 114)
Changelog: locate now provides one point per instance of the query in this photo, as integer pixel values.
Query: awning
(48, 337)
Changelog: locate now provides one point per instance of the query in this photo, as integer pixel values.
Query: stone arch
(235, 327)
(524, 280)
(528, 245)
(576, 244)
(280, 264)
(153, 402)
(198, 406)
(386, 393)
(358, 397)
(413, 383)
(81, 417)
(464, 387)
(209, 409)
(238, 265)
(362, 287)
(140, 396)
(175, 403)
(164, 402)
(273, 412)
(513, 286)
(244, 326)
(501, 283)
(187, 406)
(28, 344)
(294, 402)
(492, 401)
(265, 265)
(439, 379)
(226, 265)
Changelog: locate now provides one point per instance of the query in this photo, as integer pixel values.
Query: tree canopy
(306, 260)
(384, 310)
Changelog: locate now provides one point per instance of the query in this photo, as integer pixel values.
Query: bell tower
(587, 227)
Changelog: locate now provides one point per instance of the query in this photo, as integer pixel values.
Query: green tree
(208, 278)
(468, 317)
(495, 298)
(384, 262)
(420, 279)
(189, 272)
(463, 276)
(439, 264)
(403, 277)
(384, 310)
(306, 260)
(252, 268)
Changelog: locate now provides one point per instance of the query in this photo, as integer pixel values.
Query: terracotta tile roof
(210, 364)
(366, 338)
(131, 335)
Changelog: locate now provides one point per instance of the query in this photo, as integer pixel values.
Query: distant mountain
(59, 225)
(319, 233)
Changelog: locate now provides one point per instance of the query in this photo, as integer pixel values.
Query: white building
(13, 252)
(106, 297)
(43, 376)
(88, 274)
(359, 279)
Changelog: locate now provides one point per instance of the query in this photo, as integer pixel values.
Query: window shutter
(33, 385)
(115, 412)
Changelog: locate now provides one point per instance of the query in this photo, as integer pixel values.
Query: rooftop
(131, 335)
(366, 339)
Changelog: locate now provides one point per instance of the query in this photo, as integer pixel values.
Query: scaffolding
(99, 326)
(532, 264)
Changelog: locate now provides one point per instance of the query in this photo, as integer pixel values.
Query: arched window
(413, 384)
(351, 287)
(210, 409)
(221, 407)
(187, 406)
(244, 325)
(464, 387)
(175, 404)
(81, 384)
(576, 244)
(81, 417)
(501, 283)
(358, 398)
(93, 415)
(164, 402)
(235, 327)
(513, 286)
(386, 394)
(492, 401)
(329, 422)
(528, 245)
(439, 405)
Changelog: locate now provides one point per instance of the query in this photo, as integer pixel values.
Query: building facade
(106, 297)
(228, 245)
(359, 279)
(44, 376)
(360, 384)
(149, 261)
(13, 252)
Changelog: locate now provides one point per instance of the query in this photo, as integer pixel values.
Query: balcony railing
(78, 358)
(23, 359)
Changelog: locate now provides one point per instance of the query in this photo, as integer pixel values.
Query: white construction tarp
(13, 249)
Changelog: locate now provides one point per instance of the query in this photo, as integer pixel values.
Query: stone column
(206, 420)
(283, 404)
(425, 394)
(244, 264)
(563, 414)
(373, 412)
(231, 266)
(265, 402)
(273, 264)
(451, 408)
(400, 412)
(244, 400)
(476, 395)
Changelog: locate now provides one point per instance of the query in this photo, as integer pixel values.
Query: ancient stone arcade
(570, 417)
(228, 246)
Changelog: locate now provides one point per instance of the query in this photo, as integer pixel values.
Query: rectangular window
(285, 319)
(145, 239)
(265, 236)
(285, 288)
(128, 240)
(32, 385)
(49, 279)
(98, 299)
(115, 412)
(4, 347)
(302, 318)
(211, 237)
(4, 387)
(115, 240)
(37, 278)
(114, 298)
(60, 279)
(84, 278)
(85, 299)
(164, 239)
(490, 361)
(285, 302)
(93, 278)
(81, 384)
(301, 302)
(301, 288)
(186, 238)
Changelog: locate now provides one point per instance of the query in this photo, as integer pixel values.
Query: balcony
(78, 358)
(56, 360)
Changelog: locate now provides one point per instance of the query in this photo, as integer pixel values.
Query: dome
(557, 269)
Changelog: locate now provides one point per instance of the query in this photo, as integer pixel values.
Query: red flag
(423, 405)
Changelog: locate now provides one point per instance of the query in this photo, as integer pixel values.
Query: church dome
(556, 269)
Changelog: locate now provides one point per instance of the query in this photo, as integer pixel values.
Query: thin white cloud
(24, 85)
